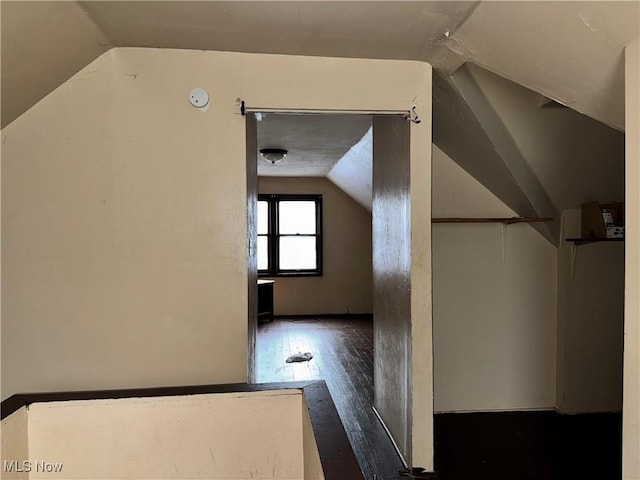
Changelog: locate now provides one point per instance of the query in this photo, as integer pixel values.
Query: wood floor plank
(342, 356)
(474, 446)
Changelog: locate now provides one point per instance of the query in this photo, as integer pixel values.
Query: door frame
(417, 441)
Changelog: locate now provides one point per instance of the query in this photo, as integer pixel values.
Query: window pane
(297, 217)
(263, 217)
(263, 253)
(298, 253)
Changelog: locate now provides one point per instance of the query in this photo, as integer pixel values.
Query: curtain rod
(409, 114)
(310, 111)
(244, 109)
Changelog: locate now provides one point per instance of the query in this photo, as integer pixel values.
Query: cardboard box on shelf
(615, 232)
(600, 219)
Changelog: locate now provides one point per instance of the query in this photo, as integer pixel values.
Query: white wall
(124, 218)
(14, 436)
(216, 436)
(590, 322)
(346, 283)
(312, 464)
(124, 246)
(494, 301)
(353, 173)
(631, 410)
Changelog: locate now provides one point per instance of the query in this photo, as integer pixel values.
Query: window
(289, 235)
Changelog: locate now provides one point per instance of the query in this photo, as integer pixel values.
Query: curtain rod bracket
(413, 115)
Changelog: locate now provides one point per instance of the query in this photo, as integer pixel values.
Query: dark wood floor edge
(409, 472)
(418, 473)
(337, 457)
(367, 316)
(19, 400)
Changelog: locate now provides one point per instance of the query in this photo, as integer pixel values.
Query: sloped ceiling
(403, 30)
(459, 133)
(568, 51)
(576, 158)
(354, 172)
(537, 160)
(43, 44)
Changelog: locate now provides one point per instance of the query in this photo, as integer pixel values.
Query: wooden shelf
(585, 241)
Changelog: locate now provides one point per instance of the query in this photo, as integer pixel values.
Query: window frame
(273, 235)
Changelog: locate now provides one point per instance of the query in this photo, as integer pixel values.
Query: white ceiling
(314, 142)
(568, 51)
(404, 30)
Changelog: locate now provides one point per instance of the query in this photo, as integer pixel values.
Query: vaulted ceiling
(568, 51)
(530, 52)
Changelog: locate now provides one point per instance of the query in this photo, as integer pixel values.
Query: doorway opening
(310, 214)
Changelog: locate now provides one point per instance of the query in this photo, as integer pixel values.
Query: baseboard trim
(497, 410)
(314, 316)
(393, 441)
(525, 410)
(409, 472)
(600, 412)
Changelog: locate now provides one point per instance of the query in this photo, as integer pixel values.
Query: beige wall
(124, 257)
(14, 436)
(590, 322)
(631, 411)
(216, 436)
(494, 301)
(312, 464)
(124, 224)
(346, 283)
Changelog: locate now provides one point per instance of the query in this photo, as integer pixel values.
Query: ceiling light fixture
(273, 155)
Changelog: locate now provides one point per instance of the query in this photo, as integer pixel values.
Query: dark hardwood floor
(343, 357)
(541, 445)
(468, 446)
